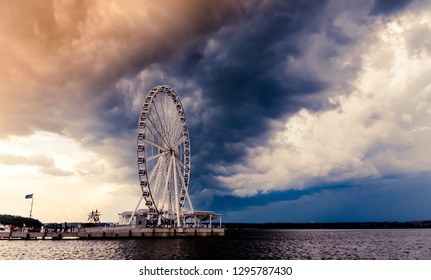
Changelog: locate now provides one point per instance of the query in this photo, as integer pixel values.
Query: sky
(298, 111)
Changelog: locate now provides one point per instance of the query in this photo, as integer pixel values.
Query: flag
(29, 196)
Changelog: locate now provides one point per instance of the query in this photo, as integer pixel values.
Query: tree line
(19, 221)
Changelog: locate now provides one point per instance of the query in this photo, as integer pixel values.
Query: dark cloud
(388, 7)
(256, 70)
(241, 80)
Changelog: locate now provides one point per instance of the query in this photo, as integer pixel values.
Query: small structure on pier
(139, 218)
(190, 219)
(94, 216)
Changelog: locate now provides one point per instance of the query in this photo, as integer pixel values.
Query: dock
(11, 235)
(115, 233)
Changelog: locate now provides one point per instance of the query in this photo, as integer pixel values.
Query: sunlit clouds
(379, 129)
(62, 175)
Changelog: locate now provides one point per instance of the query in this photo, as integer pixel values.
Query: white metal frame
(163, 156)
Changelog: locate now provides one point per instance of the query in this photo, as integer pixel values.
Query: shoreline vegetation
(19, 221)
(334, 225)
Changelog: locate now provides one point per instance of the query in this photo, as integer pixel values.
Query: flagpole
(31, 209)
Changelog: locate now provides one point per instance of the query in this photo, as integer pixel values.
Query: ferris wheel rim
(172, 143)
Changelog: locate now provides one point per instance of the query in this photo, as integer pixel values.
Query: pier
(114, 233)
(11, 235)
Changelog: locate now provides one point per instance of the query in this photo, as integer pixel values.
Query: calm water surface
(379, 244)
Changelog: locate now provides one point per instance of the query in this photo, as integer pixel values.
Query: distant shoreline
(334, 225)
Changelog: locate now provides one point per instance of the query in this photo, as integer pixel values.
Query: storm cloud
(284, 99)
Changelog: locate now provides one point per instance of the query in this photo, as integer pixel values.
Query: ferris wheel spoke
(163, 101)
(149, 142)
(157, 184)
(172, 113)
(184, 187)
(153, 171)
(180, 141)
(153, 135)
(180, 162)
(177, 210)
(160, 121)
(161, 105)
(180, 165)
(177, 126)
(158, 132)
(159, 181)
(180, 175)
(168, 112)
(156, 156)
(165, 190)
(179, 137)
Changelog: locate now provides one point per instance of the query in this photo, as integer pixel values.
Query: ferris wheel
(163, 155)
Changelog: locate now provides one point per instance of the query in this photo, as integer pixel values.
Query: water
(382, 244)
